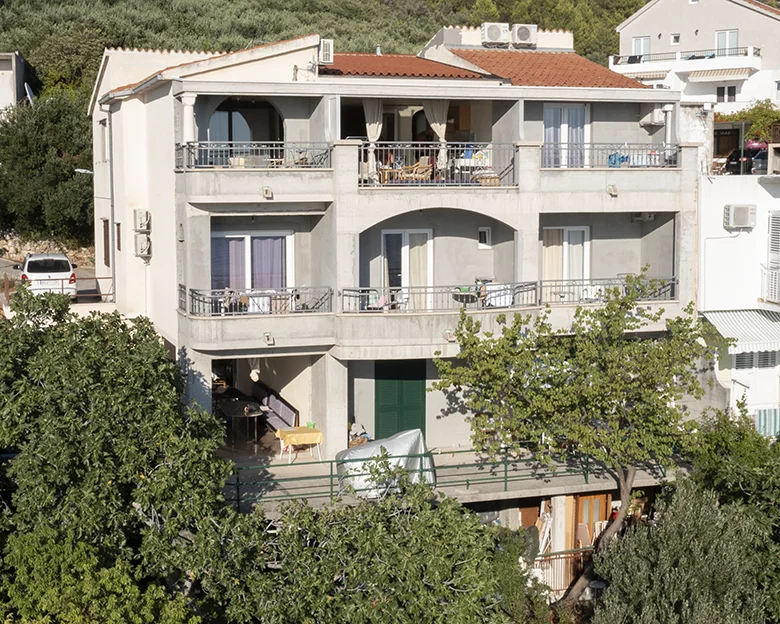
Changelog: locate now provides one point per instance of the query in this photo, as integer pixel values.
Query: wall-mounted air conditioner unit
(494, 33)
(652, 115)
(524, 34)
(142, 220)
(326, 51)
(143, 246)
(739, 216)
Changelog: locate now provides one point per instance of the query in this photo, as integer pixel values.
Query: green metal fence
(320, 480)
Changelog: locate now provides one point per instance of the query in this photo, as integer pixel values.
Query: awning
(647, 75)
(715, 75)
(754, 330)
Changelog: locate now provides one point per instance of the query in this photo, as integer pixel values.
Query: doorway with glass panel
(565, 264)
(566, 134)
(407, 268)
(251, 272)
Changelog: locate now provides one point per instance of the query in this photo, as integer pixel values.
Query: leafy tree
(599, 388)
(759, 118)
(484, 11)
(41, 147)
(743, 468)
(697, 566)
(113, 473)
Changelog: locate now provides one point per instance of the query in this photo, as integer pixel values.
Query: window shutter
(767, 359)
(743, 361)
(774, 239)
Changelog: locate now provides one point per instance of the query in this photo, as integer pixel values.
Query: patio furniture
(418, 172)
(298, 436)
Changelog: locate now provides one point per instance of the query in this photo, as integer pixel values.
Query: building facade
(722, 52)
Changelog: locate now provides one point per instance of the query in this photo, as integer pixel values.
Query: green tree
(600, 388)
(758, 118)
(113, 473)
(41, 146)
(743, 468)
(697, 566)
(484, 11)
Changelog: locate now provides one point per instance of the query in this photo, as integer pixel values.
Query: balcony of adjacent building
(239, 149)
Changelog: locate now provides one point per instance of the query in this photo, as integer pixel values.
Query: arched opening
(243, 119)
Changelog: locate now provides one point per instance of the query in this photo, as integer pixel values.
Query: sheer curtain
(552, 254)
(372, 109)
(552, 137)
(228, 258)
(575, 262)
(575, 149)
(436, 114)
(268, 262)
(418, 271)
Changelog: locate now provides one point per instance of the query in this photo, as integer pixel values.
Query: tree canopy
(759, 119)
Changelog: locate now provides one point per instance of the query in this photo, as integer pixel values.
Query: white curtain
(372, 109)
(576, 139)
(436, 114)
(254, 369)
(552, 137)
(418, 270)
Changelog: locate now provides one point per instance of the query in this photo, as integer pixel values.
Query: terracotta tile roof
(763, 7)
(546, 69)
(396, 65)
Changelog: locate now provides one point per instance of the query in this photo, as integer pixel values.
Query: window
(693, 1)
(743, 361)
(566, 132)
(773, 261)
(675, 39)
(484, 236)
(119, 237)
(407, 267)
(565, 258)
(106, 243)
(767, 359)
(48, 265)
(777, 90)
(252, 260)
(641, 46)
(727, 94)
(762, 359)
(727, 42)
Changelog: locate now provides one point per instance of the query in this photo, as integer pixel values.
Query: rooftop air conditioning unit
(142, 220)
(143, 246)
(326, 51)
(494, 33)
(524, 34)
(739, 216)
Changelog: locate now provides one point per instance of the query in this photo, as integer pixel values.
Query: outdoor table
(242, 409)
(298, 436)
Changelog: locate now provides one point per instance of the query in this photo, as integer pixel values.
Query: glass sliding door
(228, 262)
(407, 268)
(565, 264)
(566, 134)
(575, 137)
(552, 136)
(727, 42)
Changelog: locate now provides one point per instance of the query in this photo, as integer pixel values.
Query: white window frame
(586, 240)
(405, 254)
(777, 89)
(751, 360)
(248, 235)
(634, 42)
(727, 33)
(672, 41)
(564, 156)
(488, 238)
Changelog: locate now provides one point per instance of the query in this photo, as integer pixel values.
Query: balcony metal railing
(230, 302)
(561, 569)
(253, 155)
(609, 156)
(690, 55)
(479, 296)
(595, 290)
(436, 164)
(770, 284)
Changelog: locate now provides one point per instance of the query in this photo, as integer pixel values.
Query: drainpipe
(112, 218)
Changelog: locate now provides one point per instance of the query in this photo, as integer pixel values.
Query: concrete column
(188, 118)
(197, 369)
(687, 237)
(528, 249)
(346, 169)
(198, 254)
(558, 532)
(528, 163)
(330, 403)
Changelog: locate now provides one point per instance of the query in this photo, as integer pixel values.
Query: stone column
(188, 118)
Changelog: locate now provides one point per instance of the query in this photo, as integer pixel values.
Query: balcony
(691, 55)
(236, 171)
(399, 164)
(609, 156)
(229, 302)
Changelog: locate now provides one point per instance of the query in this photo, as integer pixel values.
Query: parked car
(48, 273)
(737, 157)
(760, 163)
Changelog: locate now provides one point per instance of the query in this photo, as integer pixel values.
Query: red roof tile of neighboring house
(763, 7)
(396, 65)
(546, 69)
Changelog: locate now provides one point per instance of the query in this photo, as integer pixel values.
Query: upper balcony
(695, 61)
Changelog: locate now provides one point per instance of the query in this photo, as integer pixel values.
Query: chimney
(378, 50)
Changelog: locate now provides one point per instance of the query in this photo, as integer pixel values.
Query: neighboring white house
(11, 79)
(724, 52)
(315, 222)
(739, 288)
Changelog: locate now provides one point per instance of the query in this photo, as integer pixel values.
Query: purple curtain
(227, 263)
(268, 262)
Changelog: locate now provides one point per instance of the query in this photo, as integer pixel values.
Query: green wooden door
(399, 396)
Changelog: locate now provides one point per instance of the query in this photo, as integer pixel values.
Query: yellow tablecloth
(299, 436)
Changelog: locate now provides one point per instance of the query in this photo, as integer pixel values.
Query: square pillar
(330, 403)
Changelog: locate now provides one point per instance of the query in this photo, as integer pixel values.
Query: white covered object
(405, 449)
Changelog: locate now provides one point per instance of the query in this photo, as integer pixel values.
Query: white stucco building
(723, 52)
(314, 224)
